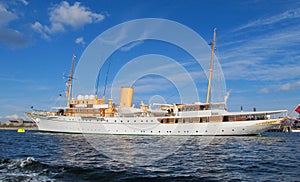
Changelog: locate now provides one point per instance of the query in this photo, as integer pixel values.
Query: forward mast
(211, 69)
(69, 83)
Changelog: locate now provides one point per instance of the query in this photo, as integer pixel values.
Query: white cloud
(269, 56)
(14, 116)
(255, 52)
(24, 2)
(6, 16)
(64, 15)
(265, 90)
(8, 35)
(80, 40)
(290, 86)
(38, 27)
(289, 14)
(128, 47)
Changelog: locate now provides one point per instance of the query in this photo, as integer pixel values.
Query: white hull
(150, 126)
(296, 131)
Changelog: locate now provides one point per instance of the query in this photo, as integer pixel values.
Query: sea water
(36, 156)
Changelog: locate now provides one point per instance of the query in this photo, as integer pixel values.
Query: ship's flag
(298, 109)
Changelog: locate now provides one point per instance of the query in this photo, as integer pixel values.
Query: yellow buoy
(21, 130)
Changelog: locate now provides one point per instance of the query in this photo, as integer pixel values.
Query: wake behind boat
(90, 114)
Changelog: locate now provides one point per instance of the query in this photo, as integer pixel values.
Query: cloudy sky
(257, 45)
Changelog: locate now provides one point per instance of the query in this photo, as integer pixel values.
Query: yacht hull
(150, 126)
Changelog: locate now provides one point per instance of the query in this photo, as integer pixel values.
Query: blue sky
(257, 45)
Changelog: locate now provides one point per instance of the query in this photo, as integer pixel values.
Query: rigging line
(97, 81)
(106, 78)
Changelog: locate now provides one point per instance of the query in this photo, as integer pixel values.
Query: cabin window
(161, 121)
(176, 120)
(191, 120)
(183, 120)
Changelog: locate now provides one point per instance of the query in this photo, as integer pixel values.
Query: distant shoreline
(16, 128)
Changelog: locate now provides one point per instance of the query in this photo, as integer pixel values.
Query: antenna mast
(69, 83)
(211, 68)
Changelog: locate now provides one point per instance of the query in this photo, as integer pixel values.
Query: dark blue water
(35, 156)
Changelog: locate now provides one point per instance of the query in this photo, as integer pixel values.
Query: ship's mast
(211, 68)
(69, 83)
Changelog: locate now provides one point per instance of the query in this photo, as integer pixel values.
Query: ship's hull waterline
(149, 126)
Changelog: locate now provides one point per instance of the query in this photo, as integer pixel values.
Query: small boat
(296, 130)
(21, 130)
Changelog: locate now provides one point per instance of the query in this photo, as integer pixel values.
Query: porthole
(197, 131)
(222, 130)
(205, 131)
(232, 129)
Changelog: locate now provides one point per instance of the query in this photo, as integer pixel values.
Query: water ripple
(35, 156)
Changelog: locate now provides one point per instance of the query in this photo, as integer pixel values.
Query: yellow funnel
(126, 97)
